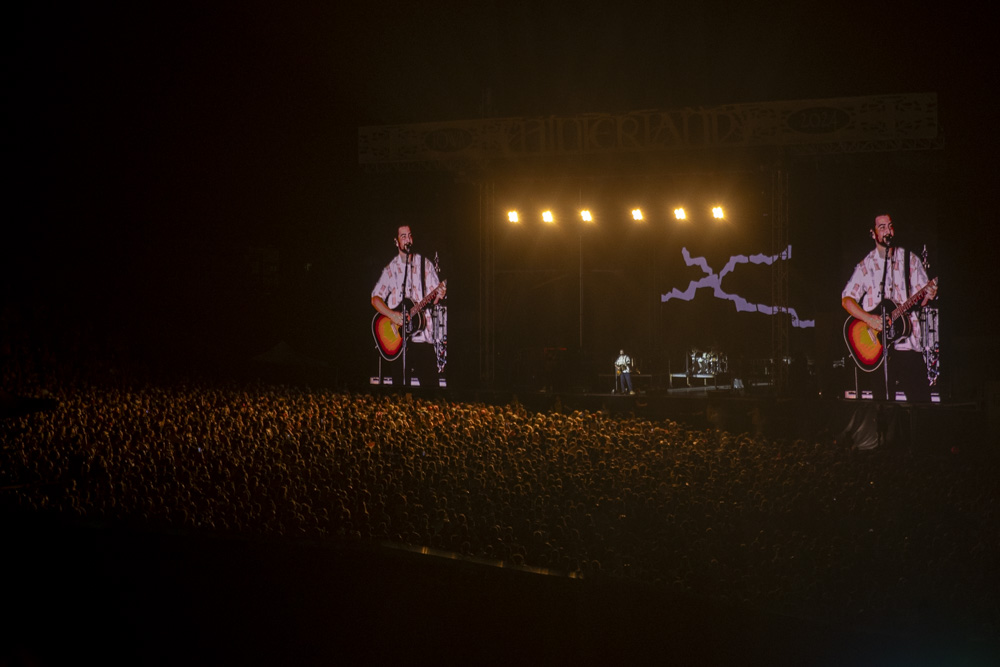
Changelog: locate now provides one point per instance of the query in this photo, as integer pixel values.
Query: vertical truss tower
(781, 322)
(487, 345)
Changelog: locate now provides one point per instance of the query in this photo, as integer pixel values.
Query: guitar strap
(406, 275)
(906, 271)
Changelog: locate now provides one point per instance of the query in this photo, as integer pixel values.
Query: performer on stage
(870, 287)
(623, 368)
(406, 282)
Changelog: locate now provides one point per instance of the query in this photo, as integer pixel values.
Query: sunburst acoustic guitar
(865, 343)
(389, 336)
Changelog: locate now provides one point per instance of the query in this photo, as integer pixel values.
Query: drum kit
(929, 338)
(439, 326)
(439, 334)
(707, 364)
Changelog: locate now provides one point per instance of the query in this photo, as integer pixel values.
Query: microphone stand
(406, 317)
(885, 328)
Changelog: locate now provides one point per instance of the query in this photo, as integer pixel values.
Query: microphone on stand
(887, 240)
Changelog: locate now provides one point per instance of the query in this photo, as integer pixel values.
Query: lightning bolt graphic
(713, 281)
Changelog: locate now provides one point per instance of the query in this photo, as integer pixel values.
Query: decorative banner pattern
(848, 124)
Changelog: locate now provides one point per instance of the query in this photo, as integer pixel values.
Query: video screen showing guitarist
(902, 290)
(408, 287)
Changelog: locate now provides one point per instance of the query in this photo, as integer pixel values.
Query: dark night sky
(151, 144)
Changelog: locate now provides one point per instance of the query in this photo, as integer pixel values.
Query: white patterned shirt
(624, 363)
(390, 285)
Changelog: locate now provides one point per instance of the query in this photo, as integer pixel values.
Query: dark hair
(871, 224)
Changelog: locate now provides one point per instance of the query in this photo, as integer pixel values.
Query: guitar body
(389, 337)
(865, 344)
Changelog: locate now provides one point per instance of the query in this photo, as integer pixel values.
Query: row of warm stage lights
(637, 215)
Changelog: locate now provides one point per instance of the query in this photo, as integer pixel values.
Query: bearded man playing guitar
(408, 284)
(879, 299)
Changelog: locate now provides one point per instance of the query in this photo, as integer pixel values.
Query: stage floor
(934, 427)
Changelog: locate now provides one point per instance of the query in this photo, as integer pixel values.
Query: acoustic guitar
(389, 336)
(865, 343)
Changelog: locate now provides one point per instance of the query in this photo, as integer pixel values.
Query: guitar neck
(426, 300)
(912, 301)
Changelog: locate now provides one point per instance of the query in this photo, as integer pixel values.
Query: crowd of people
(795, 526)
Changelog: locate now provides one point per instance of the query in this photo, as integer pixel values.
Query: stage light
(679, 214)
(512, 216)
(586, 216)
(548, 217)
(717, 213)
(637, 214)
